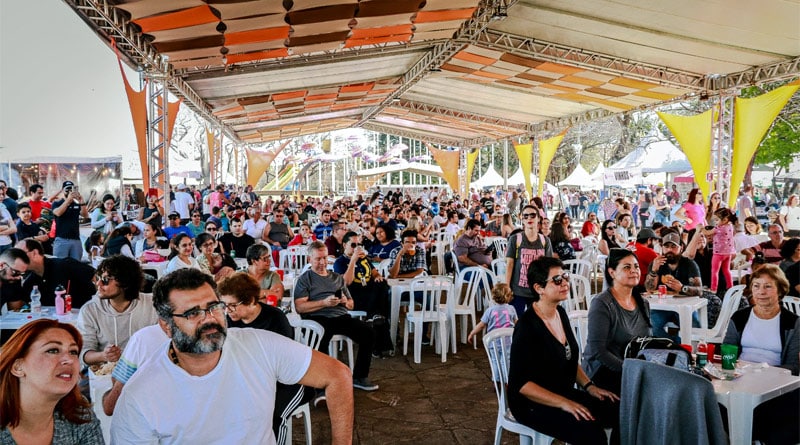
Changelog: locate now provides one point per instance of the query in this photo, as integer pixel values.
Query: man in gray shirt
(321, 295)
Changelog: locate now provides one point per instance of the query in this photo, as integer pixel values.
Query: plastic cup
(710, 349)
(729, 355)
(272, 300)
(280, 273)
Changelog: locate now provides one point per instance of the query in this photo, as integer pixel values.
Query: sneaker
(319, 398)
(364, 384)
(426, 341)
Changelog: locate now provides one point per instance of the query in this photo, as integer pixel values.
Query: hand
(112, 353)
(378, 278)
(688, 220)
(674, 284)
(658, 262)
(602, 394)
(332, 301)
(577, 410)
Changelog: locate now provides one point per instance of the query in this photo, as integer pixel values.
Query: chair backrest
(499, 267)
(294, 258)
(792, 304)
(309, 333)
(578, 293)
(497, 344)
(383, 267)
(500, 246)
(431, 293)
(729, 304)
(477, 286)
(579, 267)
(579, 321)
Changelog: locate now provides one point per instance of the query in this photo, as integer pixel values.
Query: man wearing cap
(183, 204)
(176, 226)
(643, 246)
(680, 274)
(68, 212)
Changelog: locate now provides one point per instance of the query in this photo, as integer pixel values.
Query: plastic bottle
(702, 353)
(36, 301)
(60, 304)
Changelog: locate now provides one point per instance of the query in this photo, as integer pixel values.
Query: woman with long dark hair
(608, 237)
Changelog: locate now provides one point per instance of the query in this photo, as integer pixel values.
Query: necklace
(172, 355)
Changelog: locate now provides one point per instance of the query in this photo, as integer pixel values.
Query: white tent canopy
(648, 163)
(581, 178)
(518, 178)
(490, 178)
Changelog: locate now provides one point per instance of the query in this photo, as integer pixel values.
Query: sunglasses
(529, 215)
(611, 228)
(558, 280)
(211, 229)
(105, 279)
(14, 272)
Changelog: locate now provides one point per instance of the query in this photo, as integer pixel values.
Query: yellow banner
(472, 156)
(212, 171)
(525, 155)
(547, 150)
(258, 162)
(448, 160)
(751, 120)
(694, 136)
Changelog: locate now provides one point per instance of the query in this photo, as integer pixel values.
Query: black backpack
(659, 350)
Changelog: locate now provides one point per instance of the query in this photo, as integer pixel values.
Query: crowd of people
(168, 335)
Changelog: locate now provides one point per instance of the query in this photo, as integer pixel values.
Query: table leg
(394, 315)
(703, 313)
(740, 419)
(685, 319)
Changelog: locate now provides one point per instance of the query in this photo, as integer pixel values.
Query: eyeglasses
(198, 314)
(14, 272)
(195, 216)
(211, 229)
(528, 215)
(558, 280)
(266, 257)
(231, 307)
(105, 279)
(208, 244)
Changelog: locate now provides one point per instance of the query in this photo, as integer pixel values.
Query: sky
(61, 92)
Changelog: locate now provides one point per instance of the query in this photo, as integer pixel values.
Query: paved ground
(427, 403)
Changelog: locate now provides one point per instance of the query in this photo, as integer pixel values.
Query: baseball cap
(645, 234)
(181, 186)
(173, 215)
(673, 238)
(67, 184)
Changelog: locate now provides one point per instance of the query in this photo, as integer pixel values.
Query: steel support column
(722, 144)
(157, 137)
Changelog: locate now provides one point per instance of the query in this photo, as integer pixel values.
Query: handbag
(153, 257)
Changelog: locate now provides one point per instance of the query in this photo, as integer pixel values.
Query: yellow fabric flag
(694, 136)
(547, 150)
(448, 160)
(751, 120)
(472, 156)
(525, 155)
(212, 162)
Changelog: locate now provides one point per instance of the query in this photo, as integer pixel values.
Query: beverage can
(702, 359)
(662, 291)
(68, 303)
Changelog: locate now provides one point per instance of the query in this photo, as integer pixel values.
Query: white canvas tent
(648, 163)
(518, 178)
(581, 178)
(490, 178)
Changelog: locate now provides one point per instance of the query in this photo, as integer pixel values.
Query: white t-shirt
(761, 340)
(142, 346)
(6, 220)
(792, 216)
(233, 403)
(176, 263)
(182, 202)
(254, 229)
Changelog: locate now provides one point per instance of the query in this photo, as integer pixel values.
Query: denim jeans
(68, 248)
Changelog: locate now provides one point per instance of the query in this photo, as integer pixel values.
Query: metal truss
(422, 136)
(722, 145)
(582, 58)
(461, 115)
(441, 53)
(215, 155)
(770, 72)
(110, 24)
(157, 139)
(569, 121)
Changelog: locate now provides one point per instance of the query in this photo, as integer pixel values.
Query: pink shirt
(723, 240)
(695, 212)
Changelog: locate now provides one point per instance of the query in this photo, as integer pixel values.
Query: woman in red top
(590, 227)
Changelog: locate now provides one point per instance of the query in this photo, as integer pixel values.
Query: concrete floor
(427, 403)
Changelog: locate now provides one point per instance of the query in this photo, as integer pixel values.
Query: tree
(781, 145)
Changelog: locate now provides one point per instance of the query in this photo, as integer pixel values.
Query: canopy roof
(581, 178)
(454, 72)
(490, 178)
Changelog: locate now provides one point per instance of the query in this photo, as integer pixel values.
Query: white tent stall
(489, 179)
(581, 178)
(648, 163)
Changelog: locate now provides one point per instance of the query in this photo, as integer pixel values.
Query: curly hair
(126, 271)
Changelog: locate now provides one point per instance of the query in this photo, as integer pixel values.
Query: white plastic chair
(792, 304)
(579, 321)
(293, 259)
(477, 287)
(429, 312)
(309, 333)
(498, 347)
(337, 341)
(500, 246)
(578, 292)
(579, 267)
(383, 267)
(499, 270)
(716, 334)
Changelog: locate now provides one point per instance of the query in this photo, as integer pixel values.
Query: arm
(349, 275)
(97, 221)
(697, 242)
(111, 396)
(265, 236)
(478, 328)
(304, 305)
(602, 247)
(600, 333)
(277, 287)
(335, 378)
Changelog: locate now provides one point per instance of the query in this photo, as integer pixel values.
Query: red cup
(688, 348)
(272, 300)
(280, 273)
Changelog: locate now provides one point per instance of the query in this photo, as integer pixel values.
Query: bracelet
(587, 385)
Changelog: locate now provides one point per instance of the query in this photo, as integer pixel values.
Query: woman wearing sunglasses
(608, 237)
(545, 398)
(617, 315)
(523, 248)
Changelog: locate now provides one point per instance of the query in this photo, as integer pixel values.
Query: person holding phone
(469, 249)
(68, 212)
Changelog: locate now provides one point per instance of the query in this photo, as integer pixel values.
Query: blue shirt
(172, 231)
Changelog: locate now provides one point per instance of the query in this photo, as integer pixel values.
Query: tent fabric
(490, 178)
(581, 178)
(655, 154)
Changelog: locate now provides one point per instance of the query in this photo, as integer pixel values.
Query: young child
(723, 247)
(500, 315)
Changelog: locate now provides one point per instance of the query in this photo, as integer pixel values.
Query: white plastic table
(401, 285)
(15, 320)
(741, 395)
(684, 306)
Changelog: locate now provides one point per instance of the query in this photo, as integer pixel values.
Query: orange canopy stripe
(260, 55)
(443, 16)
(178, 19)
(257, 35)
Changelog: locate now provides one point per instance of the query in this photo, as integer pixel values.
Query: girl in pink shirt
(723, 247)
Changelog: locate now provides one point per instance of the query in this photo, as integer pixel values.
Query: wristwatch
(685, 290)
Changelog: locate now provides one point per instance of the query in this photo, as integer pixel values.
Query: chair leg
(418, 342)
(406, 328)
(443, 338)
(464, 328)
(498, 434)
(350, 360)
(307, 421)
(453, 339)
(473, 317)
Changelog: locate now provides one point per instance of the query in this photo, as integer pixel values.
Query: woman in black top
(544, 367)
(608, 237)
